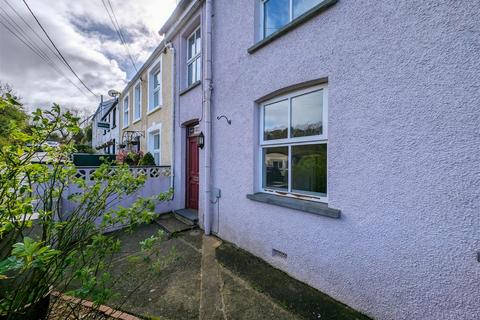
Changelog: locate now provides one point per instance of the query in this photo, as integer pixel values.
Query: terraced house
(336, 140)
(146, 108)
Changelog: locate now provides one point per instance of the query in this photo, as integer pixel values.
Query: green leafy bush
(43, 246)
(147, 160)
(84, 148)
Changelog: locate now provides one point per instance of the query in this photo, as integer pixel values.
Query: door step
(172, 225)
(187, 216)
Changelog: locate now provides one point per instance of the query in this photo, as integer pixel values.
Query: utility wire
(32, 45)
(19, 30)
(34, 31)
(58, 51)
(28, 45)
(116, 26)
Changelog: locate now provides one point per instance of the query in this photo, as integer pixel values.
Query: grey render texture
(403, 150)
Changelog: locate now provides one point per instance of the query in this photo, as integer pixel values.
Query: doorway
(192, 187)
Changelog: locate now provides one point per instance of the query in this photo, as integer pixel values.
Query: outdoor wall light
(201, 140)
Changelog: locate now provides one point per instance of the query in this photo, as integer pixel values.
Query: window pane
(276, 121)
(309, 169)
(156, 100)
(191, 47)
(275, 168)
(137, 102)
(189, 74)
(156, 141)
(156, 156)
(198, 42)
(276, 15)
(302, 6)
(307, 112)
(156, 79)
(198, 69)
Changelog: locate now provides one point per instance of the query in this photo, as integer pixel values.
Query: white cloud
(84, 34)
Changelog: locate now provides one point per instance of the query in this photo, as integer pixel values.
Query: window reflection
(191, 47)
(309, 169)
(302, 6)
(275, 161)
(307, 114)
(276, 120)
(277, 14)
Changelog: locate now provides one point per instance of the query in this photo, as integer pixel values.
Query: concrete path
(225, 296)
(211, 300)
(183, 280)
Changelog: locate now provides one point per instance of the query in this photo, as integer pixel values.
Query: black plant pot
(36, 311)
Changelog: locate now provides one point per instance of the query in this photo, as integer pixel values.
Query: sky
(84, 34)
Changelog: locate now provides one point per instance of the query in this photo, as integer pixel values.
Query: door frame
(189, 126)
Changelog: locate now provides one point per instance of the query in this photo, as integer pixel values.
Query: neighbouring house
(146, 116)
(337, 140)
(105, 128)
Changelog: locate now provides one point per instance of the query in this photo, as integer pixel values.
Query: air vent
(279, 254)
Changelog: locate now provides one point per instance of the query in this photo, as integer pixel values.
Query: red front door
(192, 169)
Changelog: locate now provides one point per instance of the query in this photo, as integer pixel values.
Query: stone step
(187, 216)
(171, 224)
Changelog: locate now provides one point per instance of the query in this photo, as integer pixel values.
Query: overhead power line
(33, 30)
(49, 62)
(118, 30)
(24, 37)
(56, 49)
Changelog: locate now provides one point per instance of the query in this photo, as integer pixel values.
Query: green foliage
(12, 118)
(88, 134)
(147, 160)
(84, 148)
(43, 246)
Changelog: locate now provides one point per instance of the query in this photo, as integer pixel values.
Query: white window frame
(150, 90)
(288, 142)
(114, 118)
(262, 16)
(153, 130)
(137, 84)
(193, 59)
(126, 120)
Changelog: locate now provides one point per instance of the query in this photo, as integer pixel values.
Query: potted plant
(147, 160)
(53, 221)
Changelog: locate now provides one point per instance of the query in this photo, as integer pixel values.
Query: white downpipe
(172, 137)
(208, 117)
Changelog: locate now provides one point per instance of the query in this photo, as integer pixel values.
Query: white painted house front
(105, 127)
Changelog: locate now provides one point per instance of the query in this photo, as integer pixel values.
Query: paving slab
(242, 302)
(211, 304)
(293, 295)
(192, 276)
(163, 286)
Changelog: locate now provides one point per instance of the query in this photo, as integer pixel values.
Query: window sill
(292, 25)
(313, 207)
(153, 110)
(193, 85)
(137, 120)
